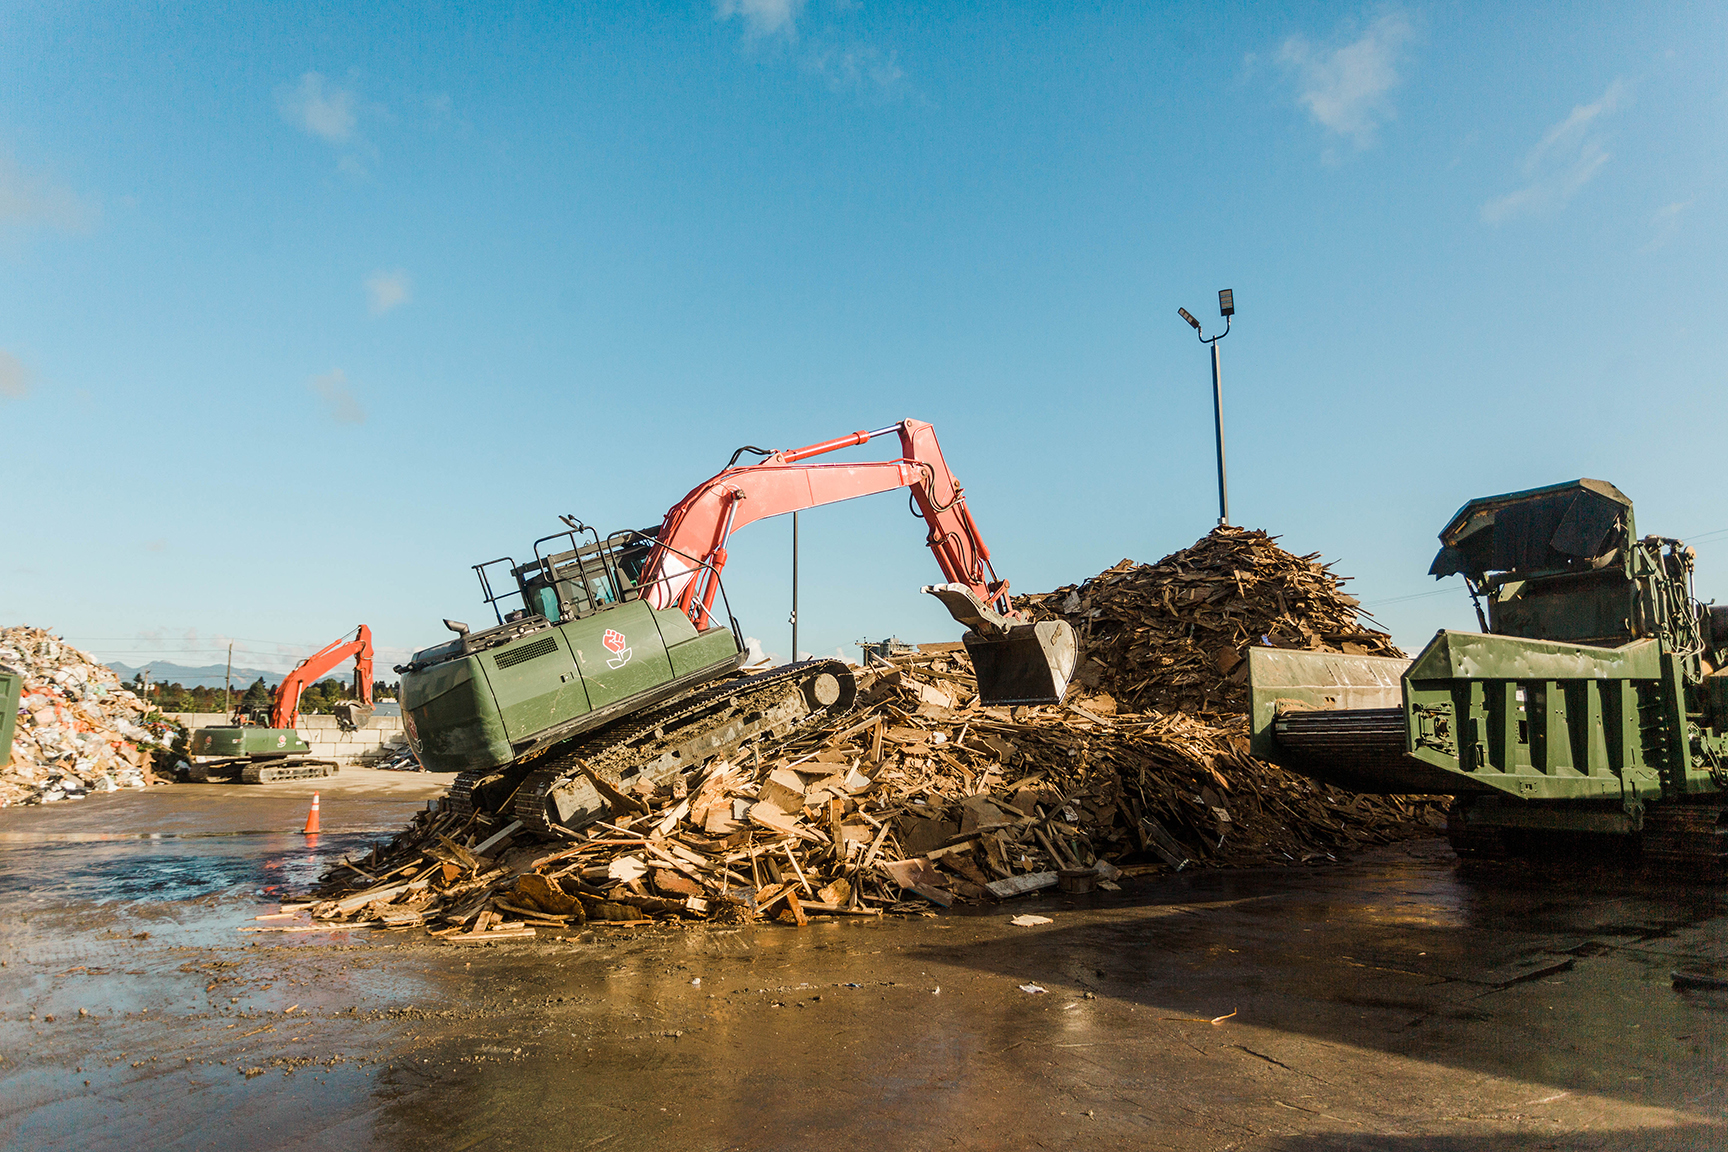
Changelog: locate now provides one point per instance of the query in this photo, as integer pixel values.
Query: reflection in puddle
(109, 870)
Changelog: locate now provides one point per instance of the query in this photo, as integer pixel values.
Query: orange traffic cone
(311, 828)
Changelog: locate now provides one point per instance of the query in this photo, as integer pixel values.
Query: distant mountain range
(208, 676)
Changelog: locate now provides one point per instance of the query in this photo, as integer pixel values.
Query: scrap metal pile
(1173, 636)
(78, 730)
(397, 758)
(920, 796)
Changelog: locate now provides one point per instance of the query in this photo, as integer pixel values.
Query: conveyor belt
(1360, 737)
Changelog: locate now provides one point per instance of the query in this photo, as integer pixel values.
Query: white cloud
(1666, 224)
(1566, 158)
(855, 68)
(1347, 89)
(27, 199)
(318, 108)
(762, 17)
(333, 387)
(843, 62)
(387, 290)
(15, 378)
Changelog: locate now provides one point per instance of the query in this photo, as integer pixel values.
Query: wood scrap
(921, 796)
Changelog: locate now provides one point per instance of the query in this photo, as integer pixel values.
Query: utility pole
(794, 619)
(227, 681)
(1226, 309)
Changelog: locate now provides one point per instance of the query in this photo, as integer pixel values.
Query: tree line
(258, 699)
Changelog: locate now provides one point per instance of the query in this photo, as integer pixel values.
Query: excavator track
(1472, 843)
(582, 784)
(461, 797)
(573, 782)
(272, 771)
(1687, 839)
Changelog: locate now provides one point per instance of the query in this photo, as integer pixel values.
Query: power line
(222, 644)
(142, 651)
(1412, 596)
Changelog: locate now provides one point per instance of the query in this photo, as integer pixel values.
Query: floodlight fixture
(1226, 303)
(1186, 315)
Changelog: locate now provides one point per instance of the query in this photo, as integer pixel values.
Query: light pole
(794, 620)
(1226, 309)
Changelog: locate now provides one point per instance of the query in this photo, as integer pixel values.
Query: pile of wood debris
(78, 730)
(918, 797)
(1173, 636)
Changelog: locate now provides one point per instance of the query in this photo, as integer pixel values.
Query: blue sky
(304, 311)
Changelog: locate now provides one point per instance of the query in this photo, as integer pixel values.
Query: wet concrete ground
(1391, 1003)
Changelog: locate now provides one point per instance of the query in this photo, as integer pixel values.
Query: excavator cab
(582, 579)
(584, 648)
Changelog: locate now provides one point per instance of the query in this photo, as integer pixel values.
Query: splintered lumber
(923, 796)
(523, 933)
(487, 844)
(1173, 636)
(1020, 885)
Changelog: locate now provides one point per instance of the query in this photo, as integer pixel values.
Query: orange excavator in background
(262, 755)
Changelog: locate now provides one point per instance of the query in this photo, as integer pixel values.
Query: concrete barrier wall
(326, 738)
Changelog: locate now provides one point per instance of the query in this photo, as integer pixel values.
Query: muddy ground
(1393, 1002)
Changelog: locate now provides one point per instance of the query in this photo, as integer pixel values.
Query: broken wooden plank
(508, 830)
(1022, 884)
(523, 933)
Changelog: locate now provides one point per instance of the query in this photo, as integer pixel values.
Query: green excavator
(619, 671)
(1592, 703)
(267, 748)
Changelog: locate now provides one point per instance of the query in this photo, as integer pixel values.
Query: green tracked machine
(11, 689)
(268, 748)
(619, 671)
(1593, 702)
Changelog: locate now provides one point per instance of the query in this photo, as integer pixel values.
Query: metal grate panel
(544, 646)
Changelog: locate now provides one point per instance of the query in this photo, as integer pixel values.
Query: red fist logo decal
(613, 640)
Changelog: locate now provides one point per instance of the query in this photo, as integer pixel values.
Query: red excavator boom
(1017, 662)
(310, 669)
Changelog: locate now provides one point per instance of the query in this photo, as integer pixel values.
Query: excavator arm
(310, 669)
(1017, 662)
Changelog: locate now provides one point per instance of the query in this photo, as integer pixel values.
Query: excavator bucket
(1029, 664)
(1015, 663)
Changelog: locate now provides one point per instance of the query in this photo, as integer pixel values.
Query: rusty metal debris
(921, 796)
